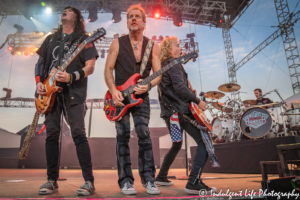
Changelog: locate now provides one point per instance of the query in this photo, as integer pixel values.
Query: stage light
(35, 49)
(177, 19)
(116, 15)
(32, 53)
(26, 53)
(19, 53)
(48, 10)
(28, 12)
(92, 14)
(9, 48)
(194, 59)
(19, 28)
(89, 34)
(43, 4)
(156, 12)
(221, 21)
(13, 52)
(49, 32)
(190, 35)
(102, 53)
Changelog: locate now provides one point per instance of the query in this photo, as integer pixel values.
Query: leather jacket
(174, 87)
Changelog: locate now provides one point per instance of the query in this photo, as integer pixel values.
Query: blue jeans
(140, 116)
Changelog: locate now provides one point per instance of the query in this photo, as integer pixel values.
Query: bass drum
(257, 122)
(294, 119)
(222, 129)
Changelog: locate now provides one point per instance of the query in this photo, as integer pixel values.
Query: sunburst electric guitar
(199, 114)
(45, 103)
(113, 112)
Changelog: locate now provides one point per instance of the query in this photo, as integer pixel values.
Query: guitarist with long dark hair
(71, 101)
(125, 56)
(174, 89)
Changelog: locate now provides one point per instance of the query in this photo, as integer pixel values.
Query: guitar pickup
(112, 114)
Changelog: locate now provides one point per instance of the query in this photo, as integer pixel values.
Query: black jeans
(76, 115)
(140, 116)
(200, 156)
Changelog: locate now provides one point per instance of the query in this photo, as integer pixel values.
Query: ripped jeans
(147, 170)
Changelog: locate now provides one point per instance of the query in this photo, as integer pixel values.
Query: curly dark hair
(79, 29)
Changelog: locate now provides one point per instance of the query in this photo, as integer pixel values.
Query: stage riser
(244, 157)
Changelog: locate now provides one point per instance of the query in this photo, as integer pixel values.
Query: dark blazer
(174, 87)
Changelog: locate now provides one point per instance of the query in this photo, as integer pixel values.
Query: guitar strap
(146, 56)
(205, 136)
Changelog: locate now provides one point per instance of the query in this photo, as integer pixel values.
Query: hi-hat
(214, 95)
(218, 106)
(229, 87)
(250, 102)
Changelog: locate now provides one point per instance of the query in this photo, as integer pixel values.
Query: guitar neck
(158, 73)
(64, 66)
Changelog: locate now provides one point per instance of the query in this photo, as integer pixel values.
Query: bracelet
(70, 80)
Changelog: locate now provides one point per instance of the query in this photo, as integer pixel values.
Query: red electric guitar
(114, 113)
(199, 114)
(45, 103)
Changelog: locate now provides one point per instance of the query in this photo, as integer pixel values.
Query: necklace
(135, 45)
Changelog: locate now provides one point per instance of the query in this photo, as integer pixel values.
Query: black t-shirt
(77, 89)
(263, 101)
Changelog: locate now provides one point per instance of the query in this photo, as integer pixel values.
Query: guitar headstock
(185, 58)
(96, 35)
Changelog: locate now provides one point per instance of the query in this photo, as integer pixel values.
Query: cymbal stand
(282, 112)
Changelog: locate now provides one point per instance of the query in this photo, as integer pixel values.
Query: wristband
(37, 79)
(149, 86)
(78, 75)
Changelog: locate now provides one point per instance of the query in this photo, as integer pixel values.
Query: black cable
(262, 53)
(248, 30)
(254, 25)
(244, 81)
(272, 66)
(198, 60)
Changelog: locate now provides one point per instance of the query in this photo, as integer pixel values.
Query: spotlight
(177, 19)
(92, 14)
(116, 15)
(89, 34)
(102, 53)
(19, 28)
(156, 12)
(28, 11)
(48, 10)
(9, 48)
(26, 53)
(8, 93)
(190, 35)
(32, 53)
(19, 53)
(43, 4)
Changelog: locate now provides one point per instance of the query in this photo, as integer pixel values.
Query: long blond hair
(165, 48)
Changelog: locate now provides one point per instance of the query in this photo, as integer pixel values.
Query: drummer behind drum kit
(238, 120)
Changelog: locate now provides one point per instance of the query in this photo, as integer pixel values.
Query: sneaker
(49, 187)
(199, 187)
(87, 188)
(151, 188)
(163, 181)
(128, 188)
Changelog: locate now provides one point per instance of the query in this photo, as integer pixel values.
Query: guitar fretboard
(155, 75)
(69, 60)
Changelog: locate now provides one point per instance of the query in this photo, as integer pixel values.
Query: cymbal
(214, 95)
(218, 106)
(229, 87)
(250, 102)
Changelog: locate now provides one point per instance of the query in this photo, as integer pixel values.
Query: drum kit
(238, 120)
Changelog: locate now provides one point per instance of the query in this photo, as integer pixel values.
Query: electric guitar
(113, 112)
(199, 114)
(45, 103)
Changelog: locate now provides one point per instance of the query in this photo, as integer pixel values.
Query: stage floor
(107, 187)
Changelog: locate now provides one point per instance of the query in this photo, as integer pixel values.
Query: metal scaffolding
(289, 42)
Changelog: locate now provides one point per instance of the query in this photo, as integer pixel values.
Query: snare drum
(231, 106)
(294, 119)
(257, 122)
